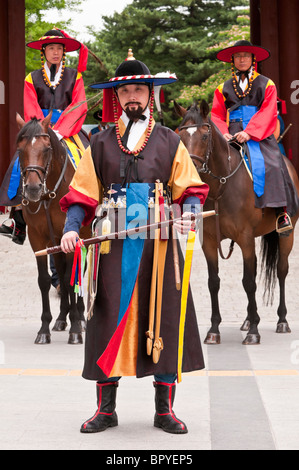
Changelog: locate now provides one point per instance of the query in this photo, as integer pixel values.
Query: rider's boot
(283, 221)
(17, 230)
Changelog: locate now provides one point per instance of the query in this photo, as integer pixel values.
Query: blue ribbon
(56, 113)
(244, 114)
(15, 178)
(136, 215)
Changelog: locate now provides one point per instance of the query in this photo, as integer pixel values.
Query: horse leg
(81, 309)
(285, 247)
(249, 284)
(211, 254)
(60, 265)
(75, 333)
(44, 282)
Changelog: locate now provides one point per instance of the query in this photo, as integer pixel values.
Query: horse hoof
(252, 339)
(75, 338)
(245, 326)
(60, 325)
(43, 338)
(212, 338)
(283, 328)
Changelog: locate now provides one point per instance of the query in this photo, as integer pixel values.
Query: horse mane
(30, 129)
(193, 113)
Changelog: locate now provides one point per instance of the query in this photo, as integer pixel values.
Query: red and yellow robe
(277, 188)
(164, 158)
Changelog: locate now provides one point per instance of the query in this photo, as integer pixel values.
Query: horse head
(35, 156)
(195, 131)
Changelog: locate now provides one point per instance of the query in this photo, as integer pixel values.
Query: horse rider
(123, 164)
(245, 109)
(52, 88)
(98, 116)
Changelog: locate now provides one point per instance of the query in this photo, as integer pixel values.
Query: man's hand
(183, 226)
(242, 137)
(69, 241)
(227, 136)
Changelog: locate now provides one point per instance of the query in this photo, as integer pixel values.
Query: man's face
(54, 53)
(133, 99)
(242, 61)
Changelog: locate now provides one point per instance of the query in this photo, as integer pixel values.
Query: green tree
(241, 30)
(36, 23)
(168, 35)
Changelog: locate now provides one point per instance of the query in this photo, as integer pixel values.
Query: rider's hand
(183, 226)
(227, 136)
(242, 137)
(68, 242)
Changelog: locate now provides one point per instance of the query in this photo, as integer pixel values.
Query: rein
(222, 179)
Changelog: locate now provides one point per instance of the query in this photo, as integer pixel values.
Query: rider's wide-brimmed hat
(134, 71)
(260, 53)
(55, 36)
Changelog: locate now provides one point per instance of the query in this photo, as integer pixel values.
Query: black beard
(134, 114)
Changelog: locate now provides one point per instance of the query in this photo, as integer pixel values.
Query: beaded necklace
(45, 77)
(123, 149)
(248, 90)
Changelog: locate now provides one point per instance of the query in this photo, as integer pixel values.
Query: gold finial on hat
(130, 55)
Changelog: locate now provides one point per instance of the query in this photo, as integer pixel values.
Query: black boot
(105, 416)
(17, 230)
(164, 416)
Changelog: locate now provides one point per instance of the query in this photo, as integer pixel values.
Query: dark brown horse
(46, 174)
(231, 194)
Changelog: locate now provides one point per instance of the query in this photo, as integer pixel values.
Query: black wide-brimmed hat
(134, 71)
(55, 36)
(260, 53)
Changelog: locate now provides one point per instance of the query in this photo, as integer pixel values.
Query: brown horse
(46, 173)
(231, 194)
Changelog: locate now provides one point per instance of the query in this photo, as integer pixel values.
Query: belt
(115, 196)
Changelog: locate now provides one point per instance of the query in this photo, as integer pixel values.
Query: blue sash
(244, 114)
(56, 113)
(14, 182)
(136, 215)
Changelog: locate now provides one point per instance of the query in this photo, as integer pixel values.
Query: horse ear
(204, 108)
(179, 109)
(46, 121)
(21, 123)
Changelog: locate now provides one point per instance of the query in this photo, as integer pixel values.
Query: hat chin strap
(151, 107)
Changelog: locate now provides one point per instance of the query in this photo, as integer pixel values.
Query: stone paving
(246, 398)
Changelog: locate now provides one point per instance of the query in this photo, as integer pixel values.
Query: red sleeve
(219, 111)
(31, 107)
(70, 124)
(263, 123)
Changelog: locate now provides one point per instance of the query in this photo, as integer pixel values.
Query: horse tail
(269, 260)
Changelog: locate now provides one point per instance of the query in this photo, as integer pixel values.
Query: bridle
(42, 172)
(205, 161)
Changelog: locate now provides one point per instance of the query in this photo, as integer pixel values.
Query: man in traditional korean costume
(245, 108)
(52, 88)
(121, 169)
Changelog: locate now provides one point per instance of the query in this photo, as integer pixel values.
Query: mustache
(133, 102)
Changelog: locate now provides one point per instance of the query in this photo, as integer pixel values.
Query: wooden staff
(127, 233)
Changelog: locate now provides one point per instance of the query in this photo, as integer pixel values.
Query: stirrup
(10, 233)
(288, 225)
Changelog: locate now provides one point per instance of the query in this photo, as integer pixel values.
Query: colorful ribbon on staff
(78, 268)
(184, 298)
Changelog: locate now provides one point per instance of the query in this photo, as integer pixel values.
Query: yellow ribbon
(184, 298)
